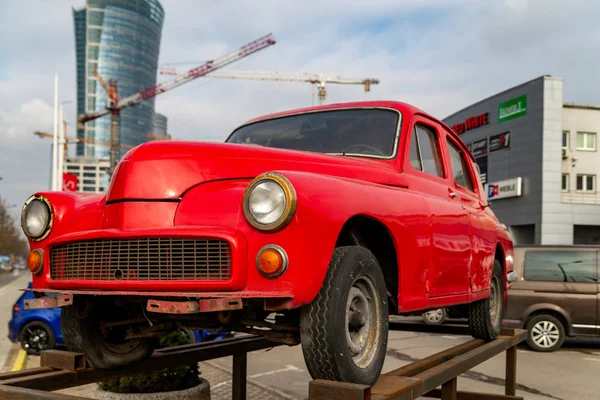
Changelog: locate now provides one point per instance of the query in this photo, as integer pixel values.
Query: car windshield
(361, 132)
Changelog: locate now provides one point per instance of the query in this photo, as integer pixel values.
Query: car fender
(324, 204)
(548, 307)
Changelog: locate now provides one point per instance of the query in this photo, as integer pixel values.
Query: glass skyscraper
(121, 40)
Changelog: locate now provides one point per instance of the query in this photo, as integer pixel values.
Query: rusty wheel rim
(495, 301)
(363, 321)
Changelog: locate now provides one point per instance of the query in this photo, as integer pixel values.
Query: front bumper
(195, 302)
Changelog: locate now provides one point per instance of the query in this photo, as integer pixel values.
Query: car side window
(561, 266)
(424, 151)
(460, 168)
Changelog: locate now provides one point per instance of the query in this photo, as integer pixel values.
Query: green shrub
(165, 380)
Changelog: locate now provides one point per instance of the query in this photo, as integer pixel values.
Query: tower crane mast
(116, 104)
(314, 78)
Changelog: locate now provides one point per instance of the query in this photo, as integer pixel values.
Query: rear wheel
(485, 316)
(545, 333)
(435, 317)
(37, 336)
(344, 330)
(104, 348)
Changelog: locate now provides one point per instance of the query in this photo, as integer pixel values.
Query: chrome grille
(142, 260)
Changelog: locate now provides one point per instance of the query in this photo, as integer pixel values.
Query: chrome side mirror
(512, 277)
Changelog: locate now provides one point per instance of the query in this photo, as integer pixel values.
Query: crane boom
(199, 71)
(316, 79)
(280, 76)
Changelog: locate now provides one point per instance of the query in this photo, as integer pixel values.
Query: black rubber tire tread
(69, 325)
(554, 320)
(319, 338)
(479, 312)
(47, 328)
(82, 335)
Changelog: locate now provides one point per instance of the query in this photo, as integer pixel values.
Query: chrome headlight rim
(48, 228)
(290, 204)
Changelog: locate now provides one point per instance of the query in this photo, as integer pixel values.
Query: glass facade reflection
(121, 39)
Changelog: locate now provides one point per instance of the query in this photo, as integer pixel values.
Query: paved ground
(570, 373)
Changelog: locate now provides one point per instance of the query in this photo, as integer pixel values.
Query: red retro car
(308, 226)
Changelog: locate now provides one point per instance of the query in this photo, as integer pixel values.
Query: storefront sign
(482, 164)
(513, 108)
(479, 148)
(504, 189)
(471, 123)
(499, 142)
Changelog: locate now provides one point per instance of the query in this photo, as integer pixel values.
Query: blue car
(39, 330)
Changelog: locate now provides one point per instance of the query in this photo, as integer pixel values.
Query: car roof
(397, 105)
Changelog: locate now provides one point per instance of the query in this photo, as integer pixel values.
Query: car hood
(166, 170)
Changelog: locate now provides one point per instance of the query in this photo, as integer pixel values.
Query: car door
(426, 168)
(483, 227)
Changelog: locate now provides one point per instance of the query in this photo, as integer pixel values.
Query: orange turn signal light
(271, 261)
(35, 261)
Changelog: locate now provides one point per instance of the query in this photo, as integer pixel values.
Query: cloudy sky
(440, 55)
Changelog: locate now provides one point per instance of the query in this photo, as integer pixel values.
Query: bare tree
(11, 237)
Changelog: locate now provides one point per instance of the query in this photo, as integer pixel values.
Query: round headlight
(36, 217)
(269, 202)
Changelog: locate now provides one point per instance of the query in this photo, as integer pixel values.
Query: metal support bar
(449, 390)
(511, 372)
(17, 393)
(170, 357)
(437, 394)
(240, 367)
(63, 360)
(423, 377)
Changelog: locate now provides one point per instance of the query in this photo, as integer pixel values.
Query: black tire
(545, 333)
(37, 336)
(483, 322)
(330, 325)
(437, 319)
(83, 335)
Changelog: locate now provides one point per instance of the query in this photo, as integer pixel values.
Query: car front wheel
(104, 348)
(485, 316)
(37, 336)
(344, 330)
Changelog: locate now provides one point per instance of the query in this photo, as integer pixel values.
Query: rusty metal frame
(49, 302)
(432, 377)
(424, 377)
(62, 369)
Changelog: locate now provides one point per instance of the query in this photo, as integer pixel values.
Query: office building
(539, 159)
(121, 40)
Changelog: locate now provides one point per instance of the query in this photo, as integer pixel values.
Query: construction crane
(115, 104)
(316, 79)
(72, 139)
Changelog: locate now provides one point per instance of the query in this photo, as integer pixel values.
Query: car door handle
(454, 195)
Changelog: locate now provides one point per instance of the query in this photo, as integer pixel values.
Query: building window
(586, 141)
(586, 183)
(565, 182)
(565, 140)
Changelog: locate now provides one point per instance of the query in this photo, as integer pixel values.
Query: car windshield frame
(396, 139)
